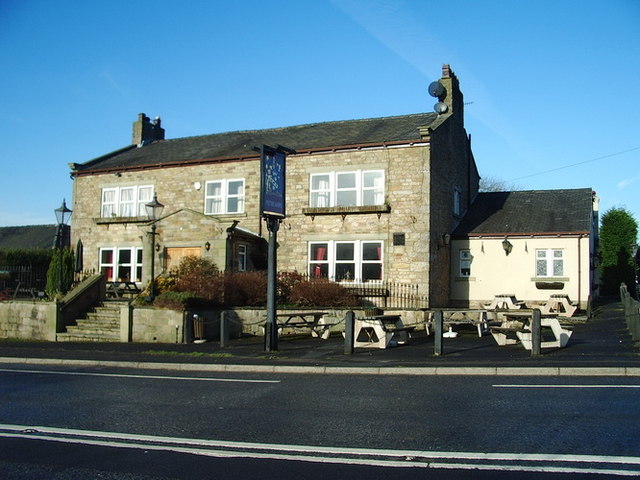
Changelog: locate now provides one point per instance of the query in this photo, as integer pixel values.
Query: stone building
(367, 200)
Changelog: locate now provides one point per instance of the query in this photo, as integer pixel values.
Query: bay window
(346, 261)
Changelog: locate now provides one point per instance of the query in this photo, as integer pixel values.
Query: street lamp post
(154, 210)
(63, 214)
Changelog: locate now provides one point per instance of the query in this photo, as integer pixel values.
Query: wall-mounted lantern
(507, 246)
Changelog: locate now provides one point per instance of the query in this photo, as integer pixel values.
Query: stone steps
(100, 325)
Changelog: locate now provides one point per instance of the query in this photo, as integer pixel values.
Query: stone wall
(28, 320)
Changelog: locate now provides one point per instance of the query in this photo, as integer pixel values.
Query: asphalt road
(102, 423)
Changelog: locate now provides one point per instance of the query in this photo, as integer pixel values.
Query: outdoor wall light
(507, 246)
(157, 247)
(207, 246)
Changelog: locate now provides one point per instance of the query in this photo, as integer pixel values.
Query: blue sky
(552, 87)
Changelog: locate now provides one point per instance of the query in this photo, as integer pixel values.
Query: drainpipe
(579, 269)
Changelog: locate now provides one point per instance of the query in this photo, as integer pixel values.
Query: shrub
(199, 276)
(245, 289)
(178, 300)
(60, 277)
(320, 293)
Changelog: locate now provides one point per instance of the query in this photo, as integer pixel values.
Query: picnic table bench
(452, 318)
(560, 305)
(379, 331)
(120, 289)
(314, 321)
(505, 301)
(516, 328)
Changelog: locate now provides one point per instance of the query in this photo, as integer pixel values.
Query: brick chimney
(145, 131)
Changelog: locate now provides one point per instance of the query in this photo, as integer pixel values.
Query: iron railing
(22, 282)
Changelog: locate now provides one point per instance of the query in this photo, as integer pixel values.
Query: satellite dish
(436, 89)
(440, 108)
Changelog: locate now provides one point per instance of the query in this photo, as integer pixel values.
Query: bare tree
(492, 184)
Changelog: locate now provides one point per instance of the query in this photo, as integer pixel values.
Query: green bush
(179, 300)
(60, 278)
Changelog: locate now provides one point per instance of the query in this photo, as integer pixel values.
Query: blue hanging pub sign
(272, 181)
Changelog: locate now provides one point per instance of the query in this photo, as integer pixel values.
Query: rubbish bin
(198, 329)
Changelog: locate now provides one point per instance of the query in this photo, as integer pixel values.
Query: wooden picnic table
(122, 288)
(379, 331)
(314, 321)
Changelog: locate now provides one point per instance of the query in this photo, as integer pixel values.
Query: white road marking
(551, 463)
(563, 386)
(144, 377)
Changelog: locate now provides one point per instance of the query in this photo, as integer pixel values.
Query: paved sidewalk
(600, 345)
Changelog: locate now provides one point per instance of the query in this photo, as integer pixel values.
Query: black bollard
(437, 332)
(349, 328)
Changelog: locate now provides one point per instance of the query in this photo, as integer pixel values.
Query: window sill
(378, 209)
(550, 279)
(113, 220)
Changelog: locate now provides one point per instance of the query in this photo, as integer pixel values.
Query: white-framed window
(242, 258)
(224, 196)
(344, 261)
(465, 263)
(125, 201)
(346, 189)
(549, 263)
(121, 264)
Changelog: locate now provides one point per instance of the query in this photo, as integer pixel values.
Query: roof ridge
(301, 125)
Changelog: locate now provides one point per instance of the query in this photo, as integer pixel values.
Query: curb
(296, 369)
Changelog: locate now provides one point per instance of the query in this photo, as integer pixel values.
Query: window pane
(557, 268)
(541, 268)
(345, 251)
(318, 270)
(213, 205)
(124, 256)
(346, 198)
(372, 179)
(236, 187)
(319, 251)
(320, 182)
(124, 273)
(214, 189)
(371, 271)
(345, 271)
(346, 180)
(319, 199)
(106, 256)
(372, 197)
(371, 251)
(232, 205)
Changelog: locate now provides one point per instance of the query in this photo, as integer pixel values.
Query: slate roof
(528, 212)
(240, 144)
(31, 236)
